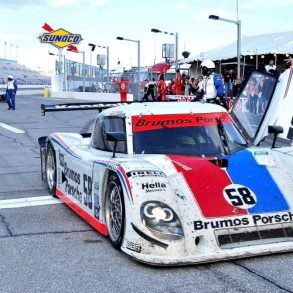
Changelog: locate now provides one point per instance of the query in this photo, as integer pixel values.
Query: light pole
(154, 30)
(108, 68)
(238, 23)
(83, 67)
(138, 61)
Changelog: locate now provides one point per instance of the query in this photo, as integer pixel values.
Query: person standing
(149, 90)
(123, 89)
(11, 92)
(178, 82)
(162, 89)
(229, 79)
(211, 85)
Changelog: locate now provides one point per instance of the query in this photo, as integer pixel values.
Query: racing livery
(174, 183)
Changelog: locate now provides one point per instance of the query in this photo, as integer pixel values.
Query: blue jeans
(228, 89)
(10, 98)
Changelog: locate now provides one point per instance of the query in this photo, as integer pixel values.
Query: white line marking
(28, 202)
(8, 127)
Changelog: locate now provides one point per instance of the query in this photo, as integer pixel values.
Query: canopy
(274, 43)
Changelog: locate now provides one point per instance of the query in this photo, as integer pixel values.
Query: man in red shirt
(178, 83)
(162, 89)
(123, 89)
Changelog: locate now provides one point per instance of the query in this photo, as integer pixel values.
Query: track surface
(47, 248)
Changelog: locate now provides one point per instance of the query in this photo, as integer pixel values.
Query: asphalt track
(45, 247)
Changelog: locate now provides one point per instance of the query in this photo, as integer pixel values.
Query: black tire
(51, 173)
(115, 211)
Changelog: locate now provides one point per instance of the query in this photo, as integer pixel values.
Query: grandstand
(23, 74)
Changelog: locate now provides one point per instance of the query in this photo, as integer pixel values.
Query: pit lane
(49, 248)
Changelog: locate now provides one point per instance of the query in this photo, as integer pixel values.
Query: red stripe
(127, 182)
(151, 122)
(99, 226)
(206, 182)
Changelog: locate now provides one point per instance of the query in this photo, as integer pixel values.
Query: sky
(101, 21)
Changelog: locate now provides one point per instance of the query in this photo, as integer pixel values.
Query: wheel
(51, 169)
(114, 210)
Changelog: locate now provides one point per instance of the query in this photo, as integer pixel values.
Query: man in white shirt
(11, 92)
(270, 66)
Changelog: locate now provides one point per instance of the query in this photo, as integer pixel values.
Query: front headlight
(161, 220)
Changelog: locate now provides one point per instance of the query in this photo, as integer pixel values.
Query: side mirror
(115, 136)
(275, 130)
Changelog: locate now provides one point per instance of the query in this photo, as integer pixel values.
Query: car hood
(250, 182)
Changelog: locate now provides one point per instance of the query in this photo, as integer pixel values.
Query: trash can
(46, 92)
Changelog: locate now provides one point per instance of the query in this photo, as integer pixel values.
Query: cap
(10, 76)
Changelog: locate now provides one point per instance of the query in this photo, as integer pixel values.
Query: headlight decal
(161, 220)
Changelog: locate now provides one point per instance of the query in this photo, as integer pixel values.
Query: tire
(51, 169)
(115, 211)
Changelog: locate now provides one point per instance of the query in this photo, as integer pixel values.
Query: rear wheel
(115, 212)
(51, 169)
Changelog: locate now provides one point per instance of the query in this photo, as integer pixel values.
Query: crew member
(123, 89)
(162, 89)
(211, 85)
(149, 89)
(11, 92)
(178, 83)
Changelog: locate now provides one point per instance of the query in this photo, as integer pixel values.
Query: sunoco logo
(60, 38)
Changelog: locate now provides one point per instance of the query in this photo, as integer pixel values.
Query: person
(271, 65)
(178, 83)
(194, 85)
(211, 87)
(229, 79)
(123, 89)
(272, 68)
(149, 89)
(162, 89)
(11, 92)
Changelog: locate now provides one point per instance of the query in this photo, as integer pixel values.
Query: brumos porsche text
(244, 221)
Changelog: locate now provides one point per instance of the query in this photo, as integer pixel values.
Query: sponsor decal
(256, 219)
(97, 200)
(151, 122)
(153, 187)
(71, 179)
(71, 174)
(261, 153)
(133, 246)
(148, 173)
(60, 38)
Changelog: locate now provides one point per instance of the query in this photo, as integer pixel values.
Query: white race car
(174, 183)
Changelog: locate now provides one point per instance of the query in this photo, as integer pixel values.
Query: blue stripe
(243, 169)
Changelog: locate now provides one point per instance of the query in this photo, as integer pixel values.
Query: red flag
(47, 28)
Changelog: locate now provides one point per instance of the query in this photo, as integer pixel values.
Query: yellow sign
(60, 38)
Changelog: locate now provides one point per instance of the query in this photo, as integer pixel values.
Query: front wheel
(115, 212)
(51, 169)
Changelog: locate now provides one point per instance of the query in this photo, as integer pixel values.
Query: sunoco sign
(60, 38)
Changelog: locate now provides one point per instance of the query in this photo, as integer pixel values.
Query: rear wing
(80, 106)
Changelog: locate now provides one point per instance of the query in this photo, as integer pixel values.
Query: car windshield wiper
(223, 136)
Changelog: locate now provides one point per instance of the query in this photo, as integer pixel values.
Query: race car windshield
(202, 140)
(250, 107)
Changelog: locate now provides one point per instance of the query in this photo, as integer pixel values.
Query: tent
(273, 43)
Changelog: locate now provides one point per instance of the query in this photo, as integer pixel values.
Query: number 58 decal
(239, 196)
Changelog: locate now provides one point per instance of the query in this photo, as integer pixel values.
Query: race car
(173, 183)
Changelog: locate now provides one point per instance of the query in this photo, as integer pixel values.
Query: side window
(106, 124)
